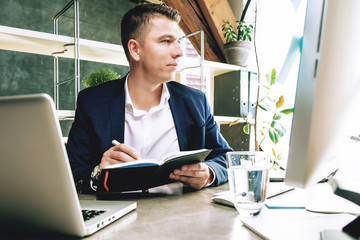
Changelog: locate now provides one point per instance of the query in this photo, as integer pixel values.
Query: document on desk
(292, 199)
(295, 226)
(275, 190)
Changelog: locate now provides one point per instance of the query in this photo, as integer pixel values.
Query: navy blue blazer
(100, 118)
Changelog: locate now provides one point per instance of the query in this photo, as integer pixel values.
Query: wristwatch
(96, 173)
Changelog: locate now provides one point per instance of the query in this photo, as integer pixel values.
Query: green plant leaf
(279, 127)
(246, 129)
(235, 122)
(266, 87)
(100, 76)
(277, 117)
(273, 77)
(263, 108)
(228, 31)
(274, 153)
(268, 79)
(287, 111)
(274, 135)
(244, 31)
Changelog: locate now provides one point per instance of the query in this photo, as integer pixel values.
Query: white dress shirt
(151, 133)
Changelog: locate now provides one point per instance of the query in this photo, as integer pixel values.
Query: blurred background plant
(100, 76)
(270, 124)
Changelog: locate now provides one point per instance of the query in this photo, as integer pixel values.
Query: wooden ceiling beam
(192, 20)
(216, 13)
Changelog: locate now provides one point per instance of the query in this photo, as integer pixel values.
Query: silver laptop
(36, 183)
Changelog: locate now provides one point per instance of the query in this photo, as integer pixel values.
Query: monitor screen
(326, 121)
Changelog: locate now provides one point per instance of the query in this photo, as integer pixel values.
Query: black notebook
(145, 173)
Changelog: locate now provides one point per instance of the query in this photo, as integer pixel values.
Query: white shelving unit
(211, 69)
(28, 41)
(35, 42)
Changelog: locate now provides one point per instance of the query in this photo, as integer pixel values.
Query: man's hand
(120, 153)
(194, 175)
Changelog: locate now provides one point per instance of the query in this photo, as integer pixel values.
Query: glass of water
(248, 174)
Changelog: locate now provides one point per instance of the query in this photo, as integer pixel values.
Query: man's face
(160, 51)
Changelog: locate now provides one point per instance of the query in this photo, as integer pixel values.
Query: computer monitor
(326, 120)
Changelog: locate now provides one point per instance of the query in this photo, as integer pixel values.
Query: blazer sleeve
(196, 127)
(99, 118)
(215, 141)
(79, 148)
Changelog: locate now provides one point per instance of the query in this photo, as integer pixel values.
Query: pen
(282, 192)
(115, 142)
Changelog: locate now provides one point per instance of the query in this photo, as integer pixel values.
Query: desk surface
(177, 215)
(174, 213)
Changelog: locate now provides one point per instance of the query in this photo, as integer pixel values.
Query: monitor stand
(325, 201)
(352, 194)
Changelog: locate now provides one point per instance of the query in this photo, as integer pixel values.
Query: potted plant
(100, 76)
(238, 45)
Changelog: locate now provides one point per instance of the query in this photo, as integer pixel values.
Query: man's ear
(134, 49)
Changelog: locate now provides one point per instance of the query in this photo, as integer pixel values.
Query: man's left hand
(194, 175)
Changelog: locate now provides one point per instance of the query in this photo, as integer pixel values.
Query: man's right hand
(120, 153)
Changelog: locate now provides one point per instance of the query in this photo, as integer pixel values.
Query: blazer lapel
(117, 112)
(179, 116)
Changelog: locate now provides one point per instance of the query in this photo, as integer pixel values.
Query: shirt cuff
(213, 180)
(93, 186)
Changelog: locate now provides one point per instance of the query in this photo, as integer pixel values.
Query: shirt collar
(165, 95)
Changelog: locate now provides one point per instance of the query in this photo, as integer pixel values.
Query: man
(149, 114)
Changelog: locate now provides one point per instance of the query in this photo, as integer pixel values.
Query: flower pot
(237, 52)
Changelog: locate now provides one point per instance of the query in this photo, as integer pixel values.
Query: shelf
(65, 114)
(192, 66)
(224, 119)
(35, 42)
(22, 40)
(28, 41)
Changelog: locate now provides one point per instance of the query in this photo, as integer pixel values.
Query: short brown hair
(136, 21)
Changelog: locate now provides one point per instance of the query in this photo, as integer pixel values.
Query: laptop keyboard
(89, 214)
